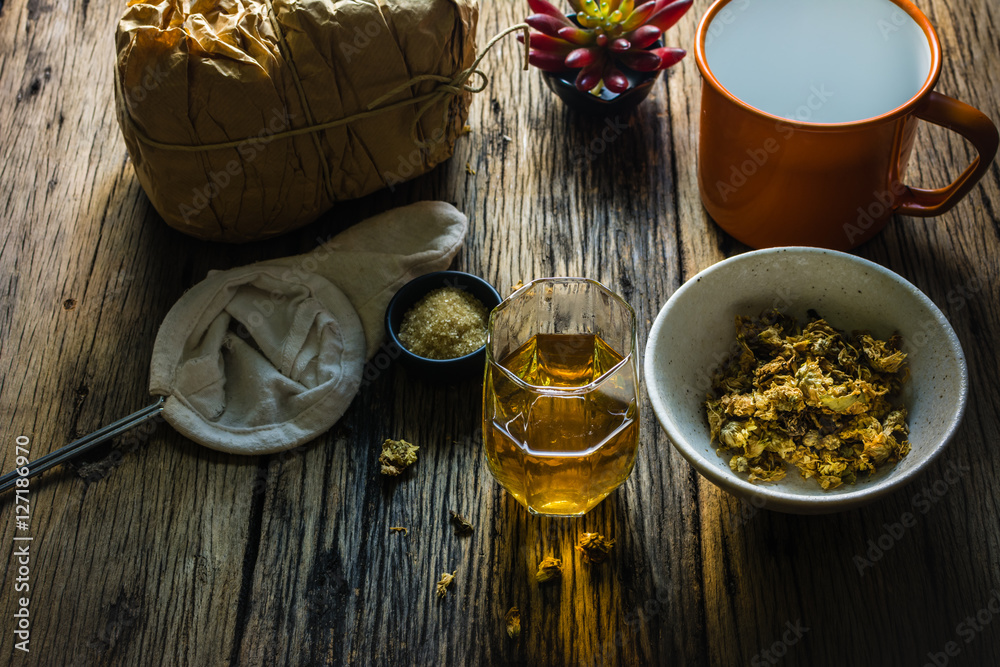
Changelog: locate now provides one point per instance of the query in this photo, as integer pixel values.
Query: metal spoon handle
(83, 444)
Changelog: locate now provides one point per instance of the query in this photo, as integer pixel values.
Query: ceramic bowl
(608, 103)
(695, 331)
(439, 370)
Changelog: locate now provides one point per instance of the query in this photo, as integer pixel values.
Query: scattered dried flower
(811, 396)
(442, 586)
(513, 619)
(398, 529)
(594, 547)
(397, 455)
(462, 527)
(549, 570)
(469, 170)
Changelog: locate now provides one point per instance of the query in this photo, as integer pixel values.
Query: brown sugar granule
(445, 324)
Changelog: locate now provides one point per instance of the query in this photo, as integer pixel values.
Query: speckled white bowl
(695, 331)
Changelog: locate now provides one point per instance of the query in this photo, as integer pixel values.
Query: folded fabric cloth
(265, 357)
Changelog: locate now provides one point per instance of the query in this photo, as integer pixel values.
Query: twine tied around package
(449, 87)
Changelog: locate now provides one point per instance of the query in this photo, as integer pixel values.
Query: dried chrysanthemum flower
(513, 619)
(442, 586)
(550, 569)
(811, 396)
(594, 547)
(397, 455)
(462, 527)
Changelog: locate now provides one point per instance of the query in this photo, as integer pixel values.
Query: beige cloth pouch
(265, 357)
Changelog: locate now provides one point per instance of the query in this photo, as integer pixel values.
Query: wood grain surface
(155, 550)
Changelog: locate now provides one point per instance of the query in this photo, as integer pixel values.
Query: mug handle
(972, 124)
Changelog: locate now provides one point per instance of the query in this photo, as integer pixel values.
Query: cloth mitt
(265, 357)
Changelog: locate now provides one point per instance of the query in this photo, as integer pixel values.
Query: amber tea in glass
(560, 407)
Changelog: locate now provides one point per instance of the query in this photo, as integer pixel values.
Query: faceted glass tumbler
(560, 397)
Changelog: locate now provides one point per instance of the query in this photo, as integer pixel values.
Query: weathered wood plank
(158, 547)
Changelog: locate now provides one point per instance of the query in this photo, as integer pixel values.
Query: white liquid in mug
(818, 61)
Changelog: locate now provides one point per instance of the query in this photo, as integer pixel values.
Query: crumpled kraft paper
(191, 73)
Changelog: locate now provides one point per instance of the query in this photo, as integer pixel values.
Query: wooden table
(155, 550)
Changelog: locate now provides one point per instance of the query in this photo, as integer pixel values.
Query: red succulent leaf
(614, 80)
(639, 16)
(620, 45)
(589, 77)
(640, 38)
(550, 62)
(575, 35)
(549, 25)
(602, 39)
(665, 18)
(542, 42)
(669, 55)
(640, 60)
(545, 7)
(578, 58)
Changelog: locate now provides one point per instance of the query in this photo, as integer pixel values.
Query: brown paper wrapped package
(192, 73)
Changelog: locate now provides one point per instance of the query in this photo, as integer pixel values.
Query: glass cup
(560, 398)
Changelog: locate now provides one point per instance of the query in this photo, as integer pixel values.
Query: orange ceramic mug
(809, 110)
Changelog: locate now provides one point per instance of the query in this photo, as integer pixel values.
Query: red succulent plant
(603, 36)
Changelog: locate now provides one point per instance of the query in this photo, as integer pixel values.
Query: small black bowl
(439, 370)
(608, 103)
